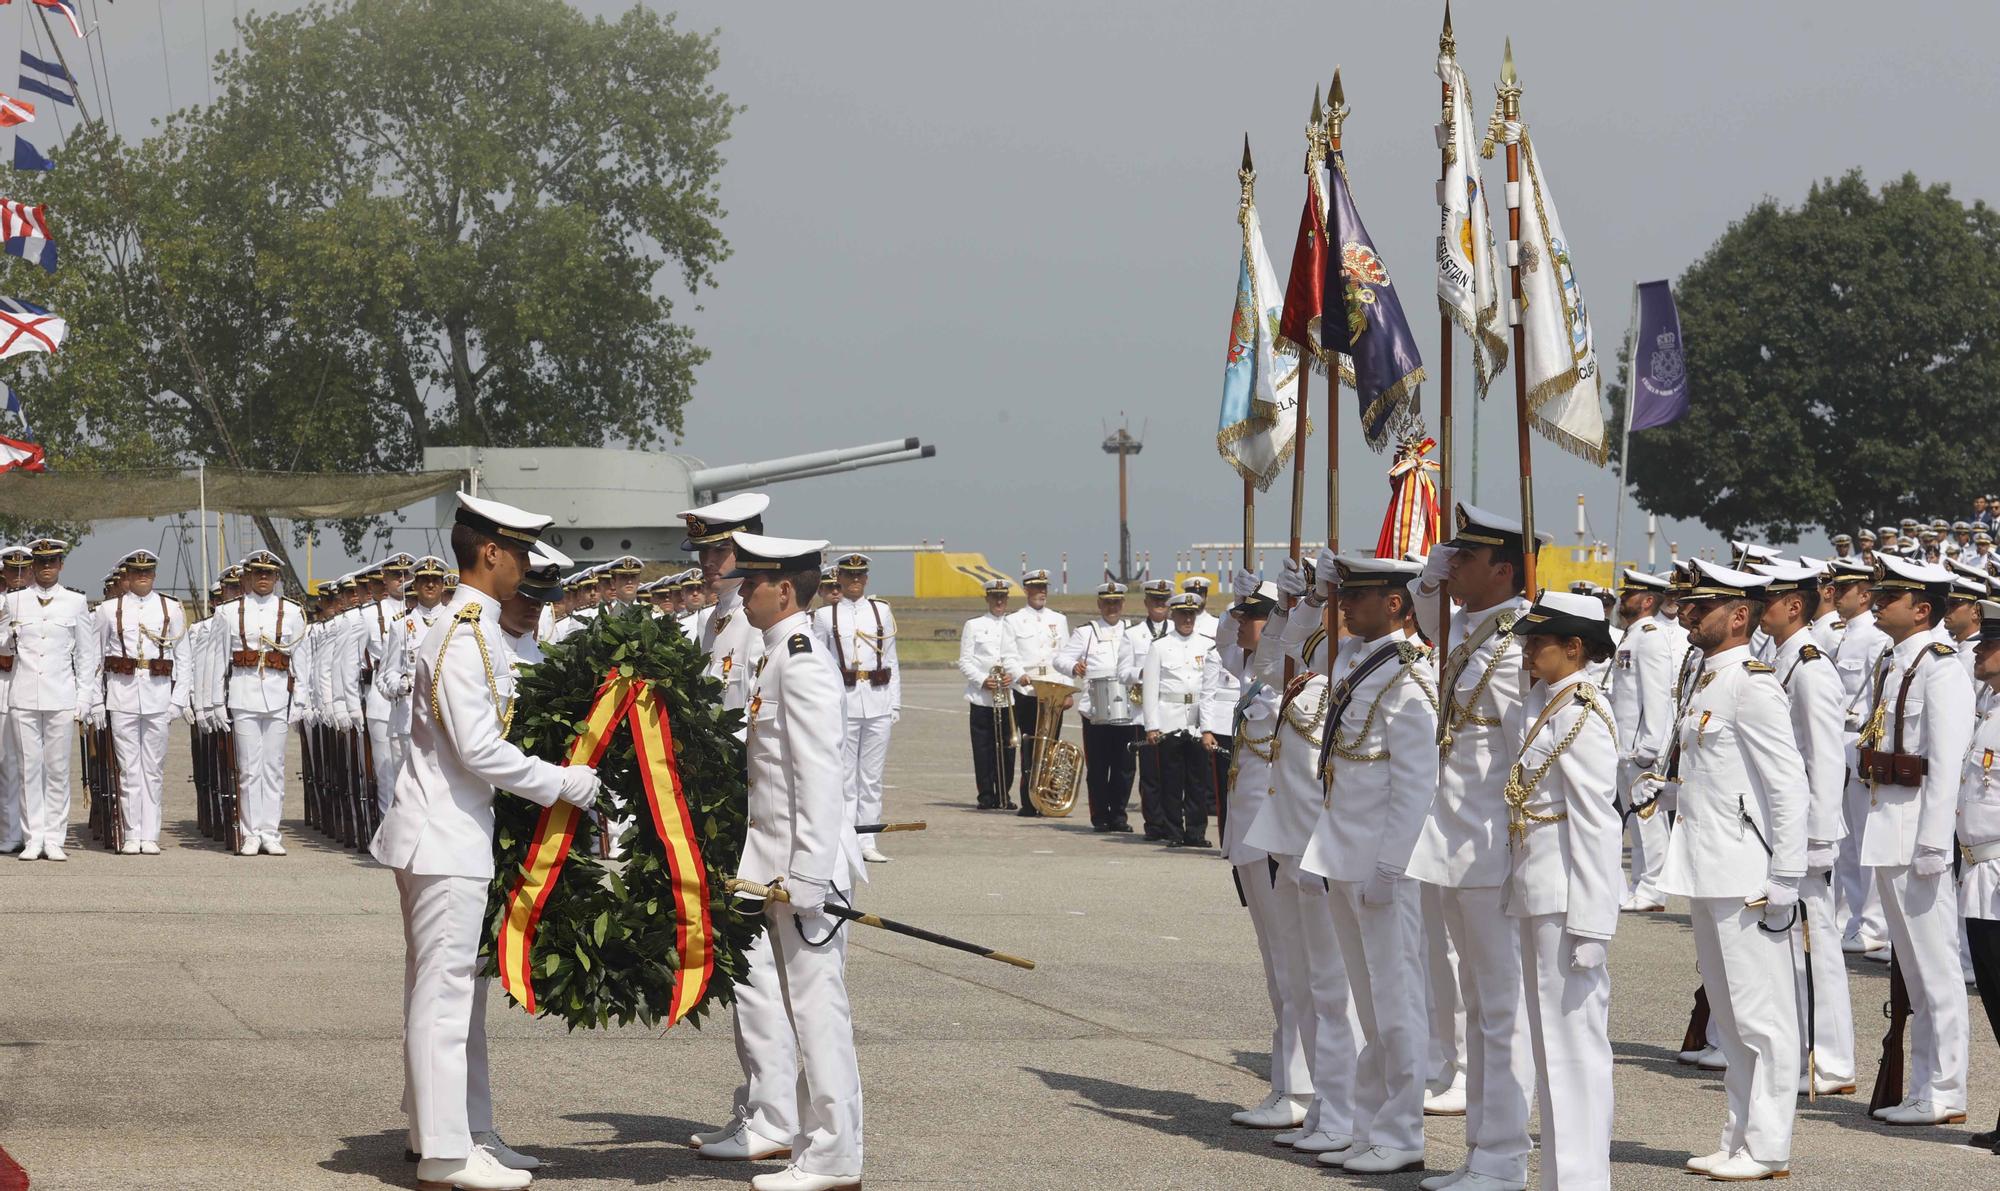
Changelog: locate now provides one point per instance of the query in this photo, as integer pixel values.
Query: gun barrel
(743, 475)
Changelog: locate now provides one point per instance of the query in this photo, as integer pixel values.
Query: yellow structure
(1556, 567)
(950, 574)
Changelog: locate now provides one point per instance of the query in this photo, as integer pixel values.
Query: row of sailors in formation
(1936, 542)
(1422, 837)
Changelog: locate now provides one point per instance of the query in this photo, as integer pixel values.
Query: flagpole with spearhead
(1448, 48)
(1337, 112)
(1308, 351)
(1510, 111)
(1246, 179)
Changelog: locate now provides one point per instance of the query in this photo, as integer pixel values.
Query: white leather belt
(1975, 853)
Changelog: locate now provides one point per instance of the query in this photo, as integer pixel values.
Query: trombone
(1003, 734)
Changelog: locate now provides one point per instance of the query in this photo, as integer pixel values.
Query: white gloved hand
(1381, 887)
(808, 894)
(1291, 578)
(187, 713)
(1930, 862)
(1585, 954)
(1820, 854)
(896, 713)
(1437, 566)
(1326, 571)
(1781, 896)
(1244, 584)
(1645, 791)
(579, 786)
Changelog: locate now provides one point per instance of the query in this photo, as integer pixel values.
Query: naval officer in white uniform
(143, 636)
(48, 629)
(251, 672)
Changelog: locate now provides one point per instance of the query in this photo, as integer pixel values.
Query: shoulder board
(1753, 666)
(1314, 640)
(1839, 624)
(293, 603)
(1408, 652)
(800, 643)
(1809, 651)
(1942, 650)
(467, 613)
(878, 600)
(1649, 627)
(1506, 620)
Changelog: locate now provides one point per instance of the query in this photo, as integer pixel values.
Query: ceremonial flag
(15, 111)
(20, 456)
(1468, 275)
(27, 157)
(14, 407)
(26, 327)
(1364, 318)
(1410, 526)
(1260, 388)
(1561, 359)
(24, 230)
(1658, 393)
(1298, 326)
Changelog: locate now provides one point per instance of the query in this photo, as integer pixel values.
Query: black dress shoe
(1123, 828)
(1197, 842)
(1099, 828)
(1156, 837)
(1990, 1140)
(1174, 843)
(1027, 810)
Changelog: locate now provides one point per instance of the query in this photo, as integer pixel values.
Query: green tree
(402, 223)
(1844, 364)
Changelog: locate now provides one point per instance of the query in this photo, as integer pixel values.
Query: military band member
(801, 834)
(1979, 837)
(1147, 629)
(1039, 632)
(251, 661)
(49, 631)
(1738, 851)
(1644, 670)
(1812, 688)
(1181, 669)
(989, 664)
(1099, 658)
(1379, 764)
(1911, 751)
(142, 635)
(860, 632)
(1563, 882)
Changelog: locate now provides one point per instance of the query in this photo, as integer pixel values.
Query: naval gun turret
(609, 501)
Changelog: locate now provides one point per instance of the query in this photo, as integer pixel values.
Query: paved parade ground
(200, 1020)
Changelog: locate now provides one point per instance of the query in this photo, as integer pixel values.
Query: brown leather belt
(876, 678)
(251, 659)
(120, 666)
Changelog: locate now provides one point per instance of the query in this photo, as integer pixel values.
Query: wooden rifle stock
(231, 787)
(1696, 1037)
(1889, 1073)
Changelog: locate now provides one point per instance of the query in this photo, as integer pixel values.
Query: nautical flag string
(15, 111)
(54, 70)
(65, 7)
(35, 86)
(24, 230)
(26, 327)
(27, 157)
(14, 407)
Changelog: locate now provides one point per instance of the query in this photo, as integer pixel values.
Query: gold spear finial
(1510, 85)
(1247, 167)
(1337, 111)
(1246, 179)
(1315, 135)
(1447, 44)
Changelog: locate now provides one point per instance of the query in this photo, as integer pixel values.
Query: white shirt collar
(796, 622)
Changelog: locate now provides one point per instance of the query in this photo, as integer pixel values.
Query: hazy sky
(1001, 227)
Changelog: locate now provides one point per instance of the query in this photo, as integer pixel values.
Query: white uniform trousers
(260, 766)
(1748, 974)
(12, 826)
(446, 1084)
(812, 976)
(1379, 947)
(1861, 913)
(1569, 1024)
(1446, 1010)
(399, 742)
(1649, 845)
(385, 764)
(767, 1050)
(1499, 1067)
(141, 744)
(863, 754)
(1831, 1040)
(1290, 1075)
(1304, 920)
(44, 740)
(1922, 917)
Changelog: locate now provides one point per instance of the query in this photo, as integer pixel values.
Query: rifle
(196, 754)
(1889, 1073)
(1696, 1037)
(230, 786)
(114, 833)
(371, 789)
(308, 778)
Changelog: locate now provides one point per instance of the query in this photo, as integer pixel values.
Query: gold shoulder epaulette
(467, 613)
(1809, 651)
(1942, 650)
(1839, 624)
(1506, 620)
(1409, 651)
(1756, 667)
(1649, 627)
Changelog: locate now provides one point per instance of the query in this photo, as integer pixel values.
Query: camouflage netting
(300, 496)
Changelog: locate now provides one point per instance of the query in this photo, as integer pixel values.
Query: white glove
(896, 713)
(1291, 579)
(1585, 954)
(1244, 584)
(1325, 571)
(1437, 566)
(808, 894)
(1381, 887)
(1820, 854)
(1932, 863)
(187, 713)
(1646, 791)
(349, 722)
(1781, 896)
(579, 786)
(218, 720)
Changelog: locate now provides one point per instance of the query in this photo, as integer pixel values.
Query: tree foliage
(402, 223)
(1843, 357)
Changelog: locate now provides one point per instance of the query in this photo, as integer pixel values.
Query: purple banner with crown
(1659, 369)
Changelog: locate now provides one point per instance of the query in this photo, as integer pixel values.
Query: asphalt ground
(198, 1020)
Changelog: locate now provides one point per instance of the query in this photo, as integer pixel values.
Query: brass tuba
(1058, 763)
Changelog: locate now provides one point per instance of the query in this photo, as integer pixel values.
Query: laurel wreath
(605, 951)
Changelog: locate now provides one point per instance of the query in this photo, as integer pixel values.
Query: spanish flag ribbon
(630, 700)
(1411, 523)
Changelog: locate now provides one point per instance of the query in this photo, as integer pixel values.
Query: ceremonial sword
(774, 892)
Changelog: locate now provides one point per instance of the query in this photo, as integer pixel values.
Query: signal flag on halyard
(1363, 319)
(1561, 358)
(1260, 388)
(26, 327)
(65, 7)
(15, 409)
(24, 230)
(27, 157)
(16, 455)
(1468, 276)
(15, 111)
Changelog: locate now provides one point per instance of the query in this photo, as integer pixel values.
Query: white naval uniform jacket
(983, 643)
(1038, 636)
(1937, 726)
(1738, 759)
(861, 635)
(1463, 841)
(1826, 629)
(1105, 648)
(1813, 689)
(1294, 796)
(54, 642)
(1642, 690)
(798, 809)
(1143, 633)
(270, 624)
(1979, 819)
(1178, 675)
(375, 637)
(1861, 646)
(153, 627)
(1301, 636)
(1219, 699)
(733, 648)
(1572, 865)
(1381, 763)
(1254, 718)
(441, 823)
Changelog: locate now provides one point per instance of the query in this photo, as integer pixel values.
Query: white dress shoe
(1922, 1112)
(249, 848)
(273, 848)
(129, 848)
(1472, 1180)
(1826, 1086)
(1708, 1162)
(52, 852)
(30, 852)
(1881, 954)
(1885, 1110)
(1438, 1182)
(744, 1145)
(793, 1179)
(508, 1156)
(1323, 1143)
(1856, 944)
(873, 855)
(1744, 1169)
(149, 848)
(1448, 1103)
(477, 1171)
(710, 1137)
(1376, 1160)
(1288, 1113)
(1689, 1058)
(1241, 1115)
(1712, 1059)
(1289, 1137)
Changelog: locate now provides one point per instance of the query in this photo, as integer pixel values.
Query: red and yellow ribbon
(631, 700)
(1411, 522)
